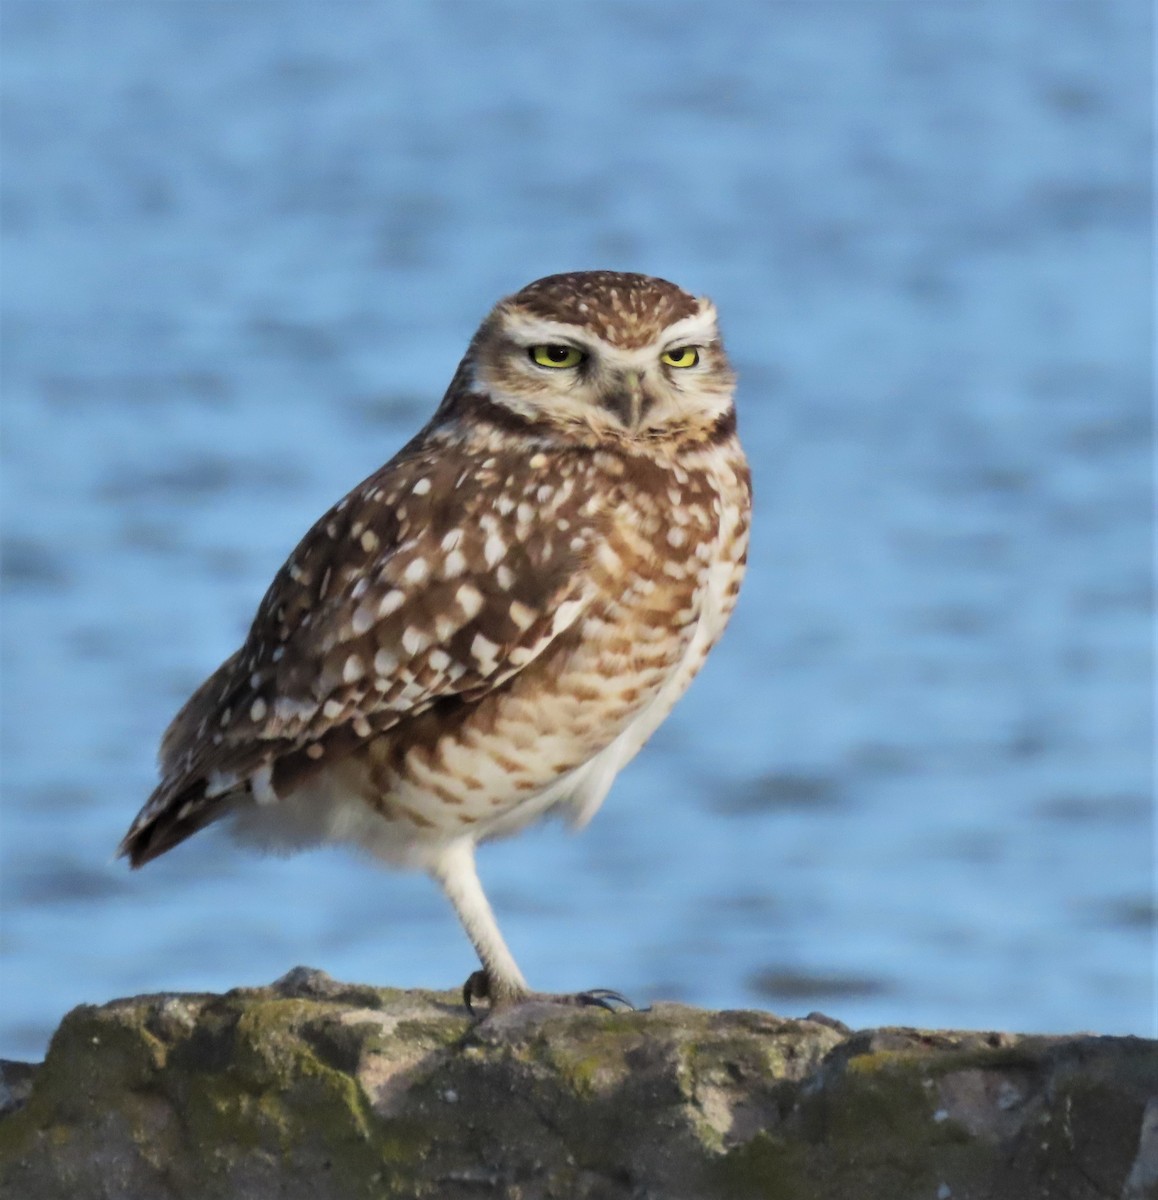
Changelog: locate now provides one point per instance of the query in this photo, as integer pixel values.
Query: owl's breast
(658, 585)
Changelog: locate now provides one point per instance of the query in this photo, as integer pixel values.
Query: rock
(315, 1089)
(15, 1085)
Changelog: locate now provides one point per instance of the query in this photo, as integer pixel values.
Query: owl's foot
(479, 987)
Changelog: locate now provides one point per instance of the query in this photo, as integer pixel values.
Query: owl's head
(604, 355)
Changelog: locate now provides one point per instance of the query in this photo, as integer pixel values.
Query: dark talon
(605, 998)
(477, 987)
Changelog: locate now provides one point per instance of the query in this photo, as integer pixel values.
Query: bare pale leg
(458, 878)
(500, 981)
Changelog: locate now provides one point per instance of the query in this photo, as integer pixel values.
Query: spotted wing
(441, 576)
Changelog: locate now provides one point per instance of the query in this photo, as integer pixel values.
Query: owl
(491, 625)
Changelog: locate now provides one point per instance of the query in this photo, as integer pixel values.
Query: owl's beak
(628, 399)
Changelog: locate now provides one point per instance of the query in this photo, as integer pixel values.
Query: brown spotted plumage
(492, 625)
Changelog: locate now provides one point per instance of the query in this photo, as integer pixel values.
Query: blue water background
(244, 245)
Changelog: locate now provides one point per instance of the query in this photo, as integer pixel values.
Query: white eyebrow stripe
(534, 331)
(697, 330)
(693, 331)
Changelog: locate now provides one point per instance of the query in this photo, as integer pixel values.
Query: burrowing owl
(490, 626)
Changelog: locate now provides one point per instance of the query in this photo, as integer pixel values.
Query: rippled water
(244, 246)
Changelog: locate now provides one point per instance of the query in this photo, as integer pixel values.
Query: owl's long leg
(500, 981)
(456, 875)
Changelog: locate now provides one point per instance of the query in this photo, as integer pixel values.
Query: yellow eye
(681, 356)
(555, 356)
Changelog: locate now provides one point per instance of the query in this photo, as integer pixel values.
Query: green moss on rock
(312, 1088)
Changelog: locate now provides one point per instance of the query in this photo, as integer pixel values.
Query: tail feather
(168, 819)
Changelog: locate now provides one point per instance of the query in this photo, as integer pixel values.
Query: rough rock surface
(311, 1088)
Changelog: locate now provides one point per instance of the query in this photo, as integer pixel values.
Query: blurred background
(244, 246)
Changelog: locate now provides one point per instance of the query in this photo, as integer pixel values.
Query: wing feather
(424, 583)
